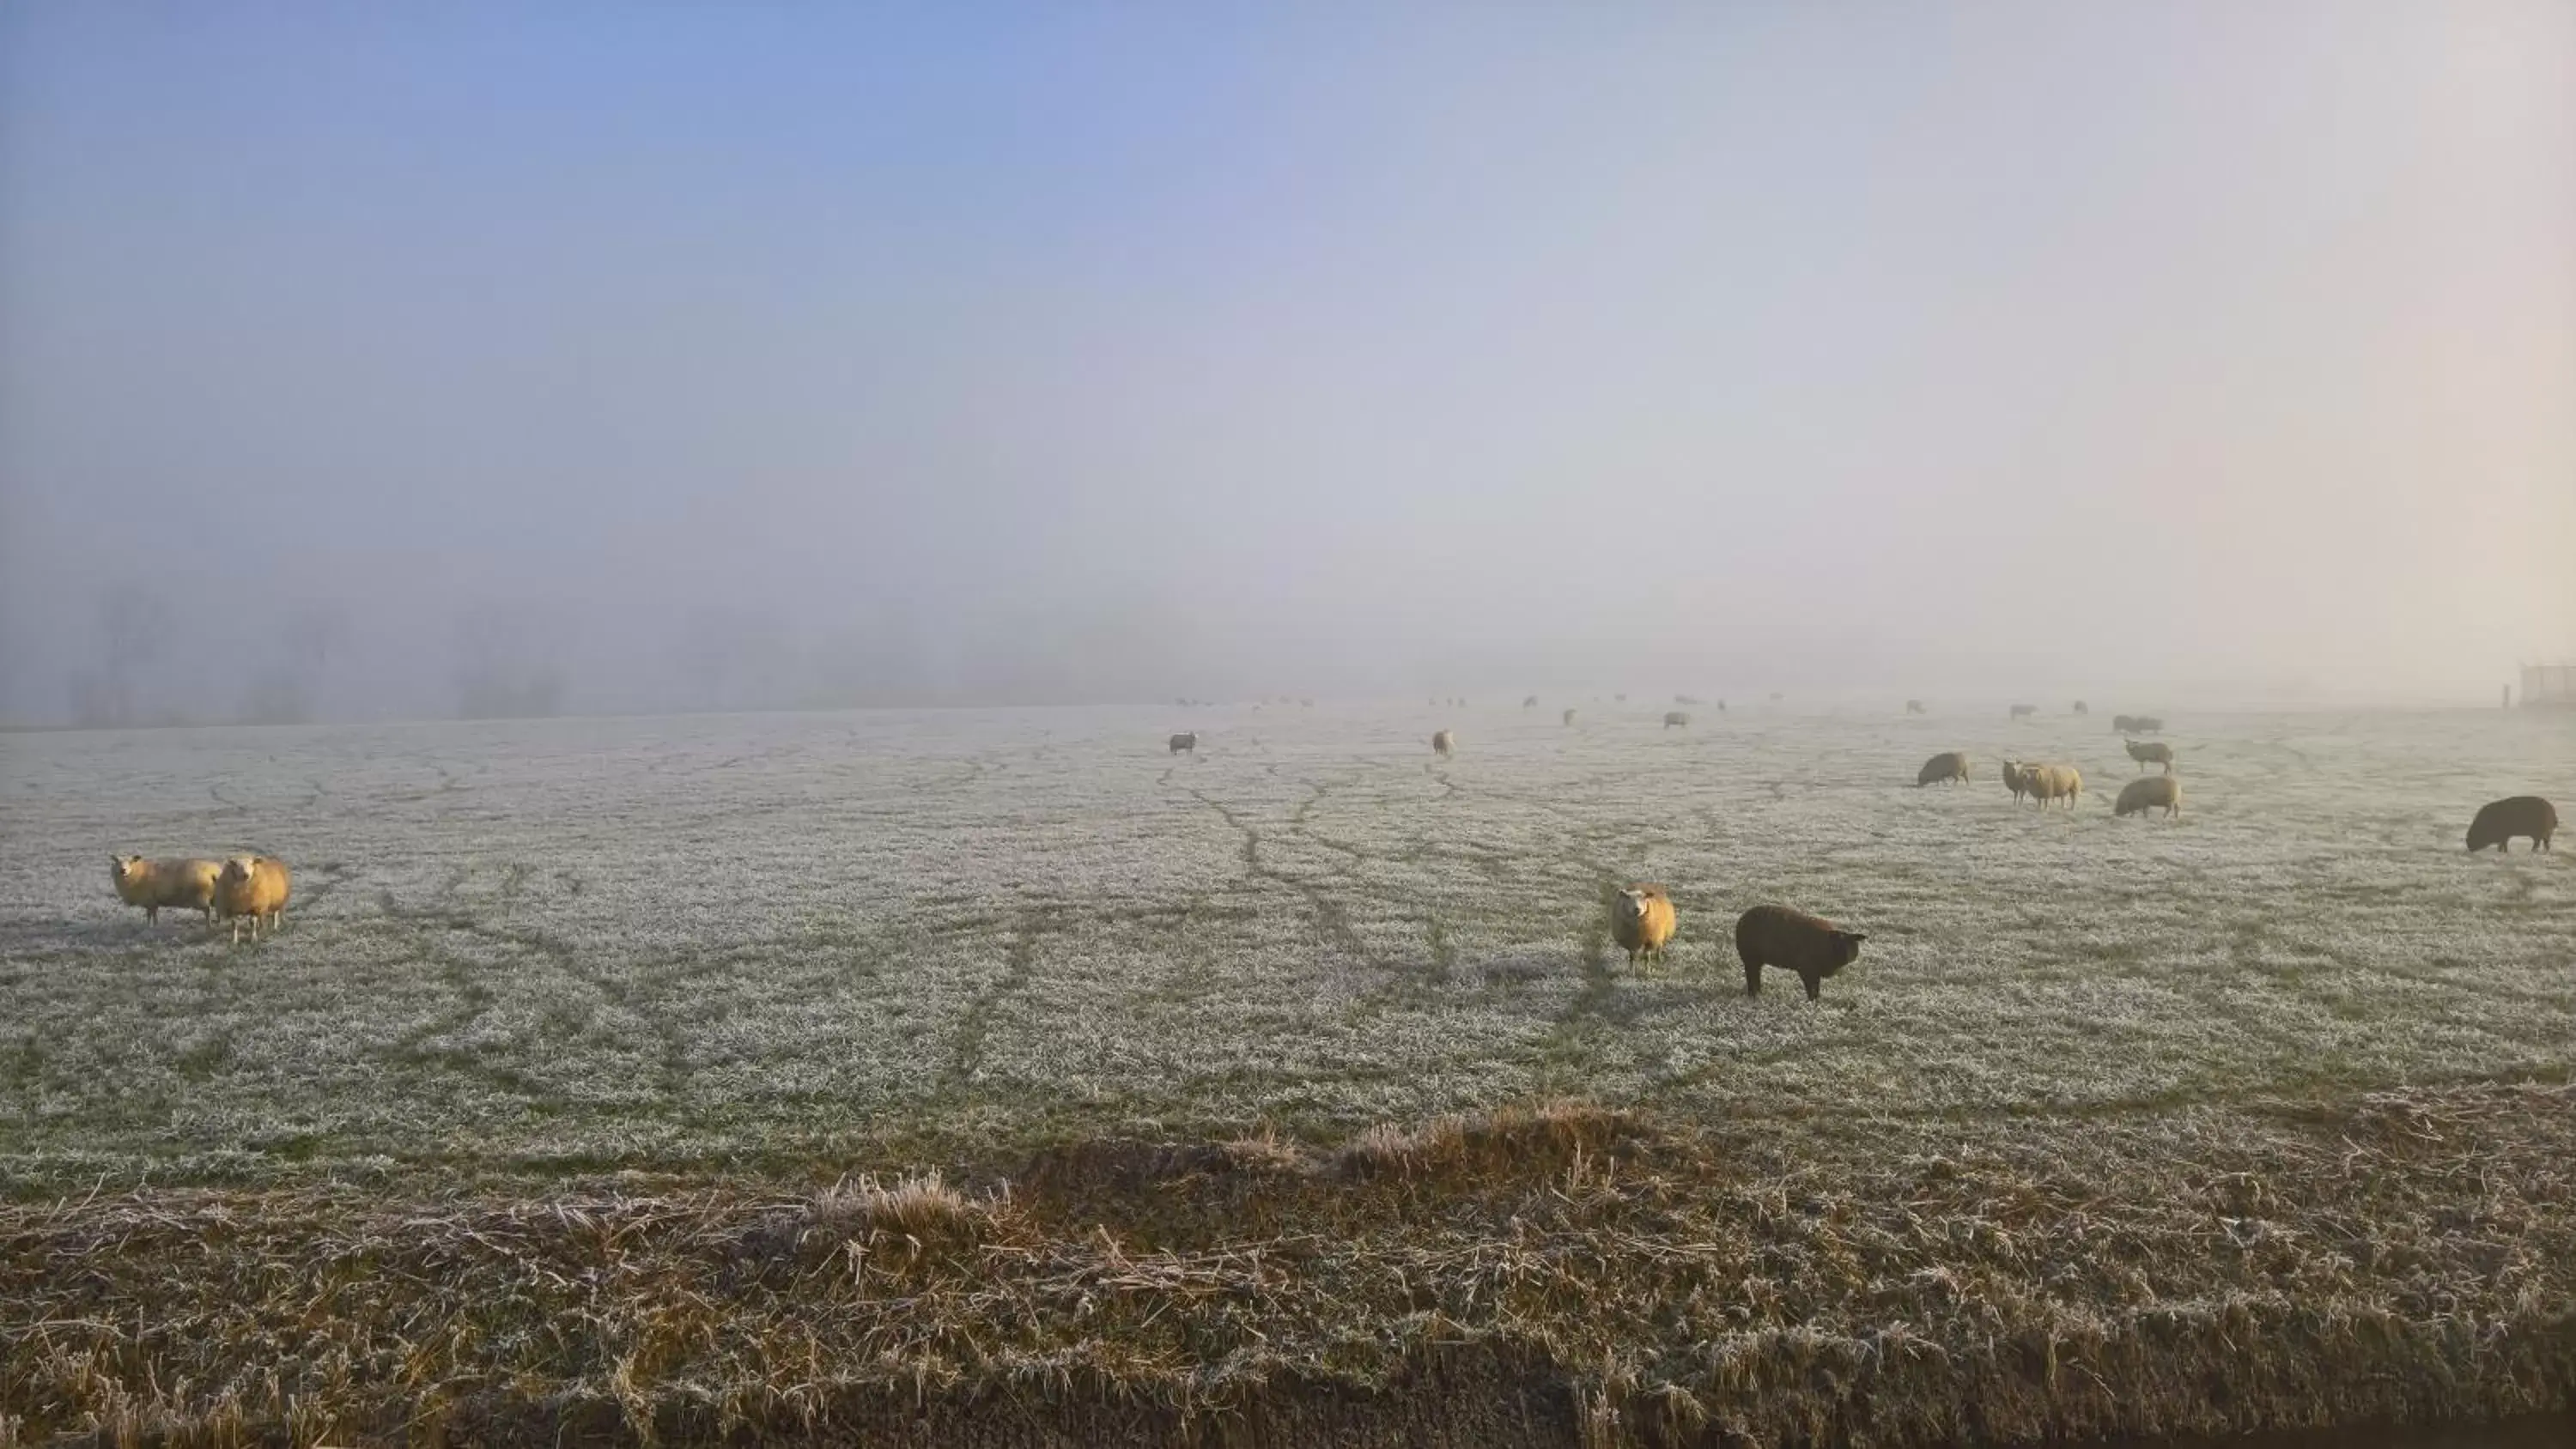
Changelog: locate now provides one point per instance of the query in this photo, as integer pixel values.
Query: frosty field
(955, 936)
(1001, 1078)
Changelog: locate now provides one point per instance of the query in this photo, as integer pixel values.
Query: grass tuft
(924, 1209)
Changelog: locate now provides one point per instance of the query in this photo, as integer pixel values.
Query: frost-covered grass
(583, 942)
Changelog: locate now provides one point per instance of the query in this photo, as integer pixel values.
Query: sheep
(2122, 724)
(1674, 717)
(1793, 941)
(1914, 706)
(2155, 751)
(1569, 716)
(2139, 796)
(2051, 783)
(152, 884)
(2015, 780)
(1186, 743)
(1642, 921)
(1949, 766)
(1442, 743)
(2497, 824)
(255, 886)
(2024, 711)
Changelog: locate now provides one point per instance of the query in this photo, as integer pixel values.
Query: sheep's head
(237, 871)
(1847, 946)
(1631, 904)
(123, 867)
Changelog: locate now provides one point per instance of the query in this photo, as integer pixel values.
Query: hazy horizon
(386, 364)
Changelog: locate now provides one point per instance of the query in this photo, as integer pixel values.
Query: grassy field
(713, 964)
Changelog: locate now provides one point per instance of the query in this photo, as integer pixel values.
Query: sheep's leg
(1753, 978)
(1815, 985)
(152, 915)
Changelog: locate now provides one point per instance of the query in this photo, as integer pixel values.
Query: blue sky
(1359, 347)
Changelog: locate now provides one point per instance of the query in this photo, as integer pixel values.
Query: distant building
(2549, 685)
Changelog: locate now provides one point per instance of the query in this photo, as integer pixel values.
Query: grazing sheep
(2155, 751)
(2139, 796)
(1569, 716)
(2499, 823)
(1642, 921)
(2014, 779)
(2024, 711)
(2081, 708)
(1442, 743)
(2052, 783)
(255, 886)
(1793, 941)
(1948, 767)
(1674, 717)
(179, 884)
(1914, 706)
(1186, 743)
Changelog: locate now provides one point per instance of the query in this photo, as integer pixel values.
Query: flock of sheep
(253, 889)
(250, 888)
(1642, 919)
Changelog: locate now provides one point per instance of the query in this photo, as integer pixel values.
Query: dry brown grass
(1555, 1274)
(1529, 1139)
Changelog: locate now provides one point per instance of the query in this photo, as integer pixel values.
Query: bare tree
(134, 629)
(730, 658)
(505, 665)
(282, 693)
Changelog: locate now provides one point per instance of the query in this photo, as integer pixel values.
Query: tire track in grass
(1332, 917)
(1299, 825)
(975, 1024)
(446, 913)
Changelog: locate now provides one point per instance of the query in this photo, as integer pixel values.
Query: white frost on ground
(614, 940)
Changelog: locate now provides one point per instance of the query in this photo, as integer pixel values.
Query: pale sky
(794, 353)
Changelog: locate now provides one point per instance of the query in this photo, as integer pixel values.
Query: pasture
(680, 939)
(526, 959)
